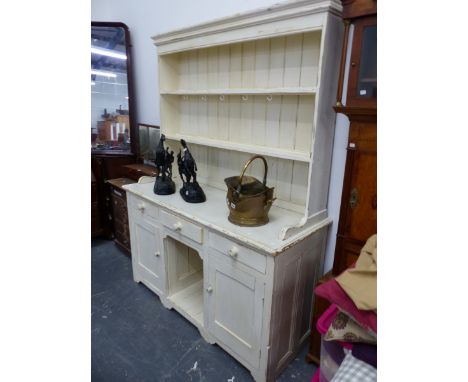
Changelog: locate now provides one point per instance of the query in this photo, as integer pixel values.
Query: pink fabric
(326, 319)
(316, 377)
(333, 292)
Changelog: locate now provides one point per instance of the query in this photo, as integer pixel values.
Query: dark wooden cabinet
(105, 167)
(118, 201)
(358, 212)
(135, 171)
(120, 212)
(96, 226)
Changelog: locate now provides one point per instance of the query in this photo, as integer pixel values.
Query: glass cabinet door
(362, 89)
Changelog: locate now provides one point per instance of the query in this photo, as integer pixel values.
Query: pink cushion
(333, 292)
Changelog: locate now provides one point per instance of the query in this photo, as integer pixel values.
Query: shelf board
(300, 156)
(190, 301)
(246, 91)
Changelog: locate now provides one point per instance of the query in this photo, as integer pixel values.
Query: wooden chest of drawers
(120, 212)
(135, 171)
(118, 201)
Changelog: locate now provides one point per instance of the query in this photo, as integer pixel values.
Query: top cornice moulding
(279, 11)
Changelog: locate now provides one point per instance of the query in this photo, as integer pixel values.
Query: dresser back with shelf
(260, 86)
(271, 63)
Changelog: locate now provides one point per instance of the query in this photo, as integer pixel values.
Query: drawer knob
(177, 226)
(157, 254)
(233, 252)
(209, 289)
(141, 206)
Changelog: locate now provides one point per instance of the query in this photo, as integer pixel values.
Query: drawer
(238, 252)
(121, 234)
(118, 193)
(120, 208)
(142, 208)
(184, 227)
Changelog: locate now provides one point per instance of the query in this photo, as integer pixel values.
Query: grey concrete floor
(134, 338)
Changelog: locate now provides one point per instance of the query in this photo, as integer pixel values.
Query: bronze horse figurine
(191, 191)
(187, 165)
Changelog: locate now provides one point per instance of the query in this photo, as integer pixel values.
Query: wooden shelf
(246, 91)
(243, 147)
(190, 301)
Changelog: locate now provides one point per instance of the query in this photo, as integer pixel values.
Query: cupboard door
(147, 256)
(235, 301)
(362, 86)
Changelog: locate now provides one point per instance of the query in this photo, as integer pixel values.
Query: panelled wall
(287, 61)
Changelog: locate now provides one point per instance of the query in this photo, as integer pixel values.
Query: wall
(146, 18)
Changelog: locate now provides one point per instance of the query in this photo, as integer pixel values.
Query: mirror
(149, 140)
(112, 125)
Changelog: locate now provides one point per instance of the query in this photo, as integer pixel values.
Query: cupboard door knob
(233, 252)
(177, 226)
(157, 254)
(141, 206)
(209, 289)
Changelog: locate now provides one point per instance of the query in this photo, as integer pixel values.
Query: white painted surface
(338, 164)
(182, 226)
(238, 253)
(226, 289)
(148, 17)
(236, 312)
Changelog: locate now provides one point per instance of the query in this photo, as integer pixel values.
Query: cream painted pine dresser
(264, 83)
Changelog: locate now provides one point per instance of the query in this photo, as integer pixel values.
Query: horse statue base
(164, 186)
(192, 193)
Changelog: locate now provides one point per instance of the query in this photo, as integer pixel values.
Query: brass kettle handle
(241, 176)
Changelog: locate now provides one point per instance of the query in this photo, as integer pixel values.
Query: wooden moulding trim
(358, 8)
(339, 92)
(305, 90)
(256, 17)
(111, 153)
(135, 141)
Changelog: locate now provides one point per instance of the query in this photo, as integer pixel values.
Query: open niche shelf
(185, 279)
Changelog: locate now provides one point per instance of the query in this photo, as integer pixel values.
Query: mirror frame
(134, 137)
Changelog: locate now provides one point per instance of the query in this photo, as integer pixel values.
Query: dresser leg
(260, 377)
(166, 303)
(207, 336)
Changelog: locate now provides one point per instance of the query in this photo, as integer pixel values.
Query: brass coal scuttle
(248, 199)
